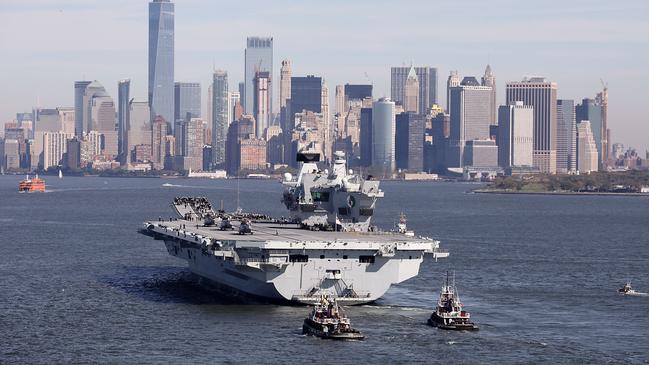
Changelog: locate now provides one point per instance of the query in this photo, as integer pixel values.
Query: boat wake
(637, 294)
(167, 185)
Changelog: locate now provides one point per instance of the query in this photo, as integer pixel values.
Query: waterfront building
(220, 116)
(587, 159)
(469, 117)
(409, 141)
(383, 134)
(515, 135)
(481, 153)
(542, 95)
(252, 154)
(73, 153)
(258, 58)
(54, 147)
(427, 78)
(161, 60)
(566, 136)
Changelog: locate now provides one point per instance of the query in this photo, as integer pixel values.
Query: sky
(46, 45)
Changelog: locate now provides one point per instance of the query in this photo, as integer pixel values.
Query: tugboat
(31, 185)
(328, 320)
(449, 314)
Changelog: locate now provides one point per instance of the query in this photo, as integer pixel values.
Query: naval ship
(327, 245)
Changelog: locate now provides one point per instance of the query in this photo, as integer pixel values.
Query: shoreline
(582, 193)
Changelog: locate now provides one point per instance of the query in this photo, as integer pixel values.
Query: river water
(538, 273)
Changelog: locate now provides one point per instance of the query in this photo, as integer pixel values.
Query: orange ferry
(31, 184)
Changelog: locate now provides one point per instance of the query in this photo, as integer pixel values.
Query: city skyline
(594, 42)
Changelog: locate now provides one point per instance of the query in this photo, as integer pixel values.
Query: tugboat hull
(438, 322)
(314, 329)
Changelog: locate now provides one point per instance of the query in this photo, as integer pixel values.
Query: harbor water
(539, 275)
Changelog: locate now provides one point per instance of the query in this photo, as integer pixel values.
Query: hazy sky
(46, 45)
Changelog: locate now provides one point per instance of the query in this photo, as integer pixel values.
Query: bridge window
(319, 196)
(366, 212)
(366, 259)
(298, 258)
(343, 211)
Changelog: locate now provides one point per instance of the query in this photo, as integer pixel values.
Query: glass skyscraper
(259, 58)
(220, 116)
(161, 60)
(123, 98)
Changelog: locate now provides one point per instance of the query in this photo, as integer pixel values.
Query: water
(538, 273)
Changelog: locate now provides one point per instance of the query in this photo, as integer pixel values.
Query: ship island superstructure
(326, 246)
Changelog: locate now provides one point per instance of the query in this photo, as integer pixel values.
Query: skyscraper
(306, 94)
(103, 121)
(187, 101)
(515, 135)
(605, 150)
(79, 92)
(139, 126)
(411, 92)
(158, 145)
(383, 135)
(586, 148)
(258, 58)
(123, 99)
(357, 92)
(427, 77)
(261, 102)
(490, 80)
(542, 95)
(220, 116)
(409, 141)
(591, 110)
(161, 60)
(566, 136)
(452, 81)
(469, 117)
(284, 83)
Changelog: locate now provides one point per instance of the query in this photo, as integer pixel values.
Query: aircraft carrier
(327, 244)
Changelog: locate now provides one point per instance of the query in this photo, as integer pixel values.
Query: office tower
(261, 101)
(252, 154)
(47, 120)
(427, 77)
(139, 129)
(73, 154)
(591, 110)
(452, 81)
(209, 104)
(102, 114)
(357, 92)
(123, 98)
(469, 117)
(242, 92)
(383, 134)
(411, 92)
(481, 153)
(326, 150)
(187, 101)
(79, 92)
(284, 83)
(409, 141)
(54, 147)
(258, 58)
(542, 95)
(235, 99)
(274, 145)
(306, 94)
(161, 60)
(365, 137)
(489, 80)
(340, 105)
(605, 150)
(192, 154)
(515, 135)
(566, 136)
(158, 133)
(586, 148)
(220, 116)
(240, 129)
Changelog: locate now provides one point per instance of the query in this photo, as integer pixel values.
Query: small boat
(449, 314)
(328, 320)
(31, 185)
(628, 290)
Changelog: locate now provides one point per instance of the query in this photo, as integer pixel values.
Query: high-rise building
(586, 148)
(103, 120)
(158, 147)
(54, 147)
(340, 107)
(258, 58)
(261, 101)
(161, 60)
(327, 149)
(409, 141)
(427, 77)
(79, 92)
(220, 116)
(591, 110)
(357, 92)
(490, 80)
(193, 144)
(566, 136)
(73, 154)
(365, 137)
(187, 101)
(123, 99)
(542, 95)
(139, 127)
(469, 118)
(383, 135)
(605, 150)
(284, 83)
(411, 93)
(515, 135)
(452, 81)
